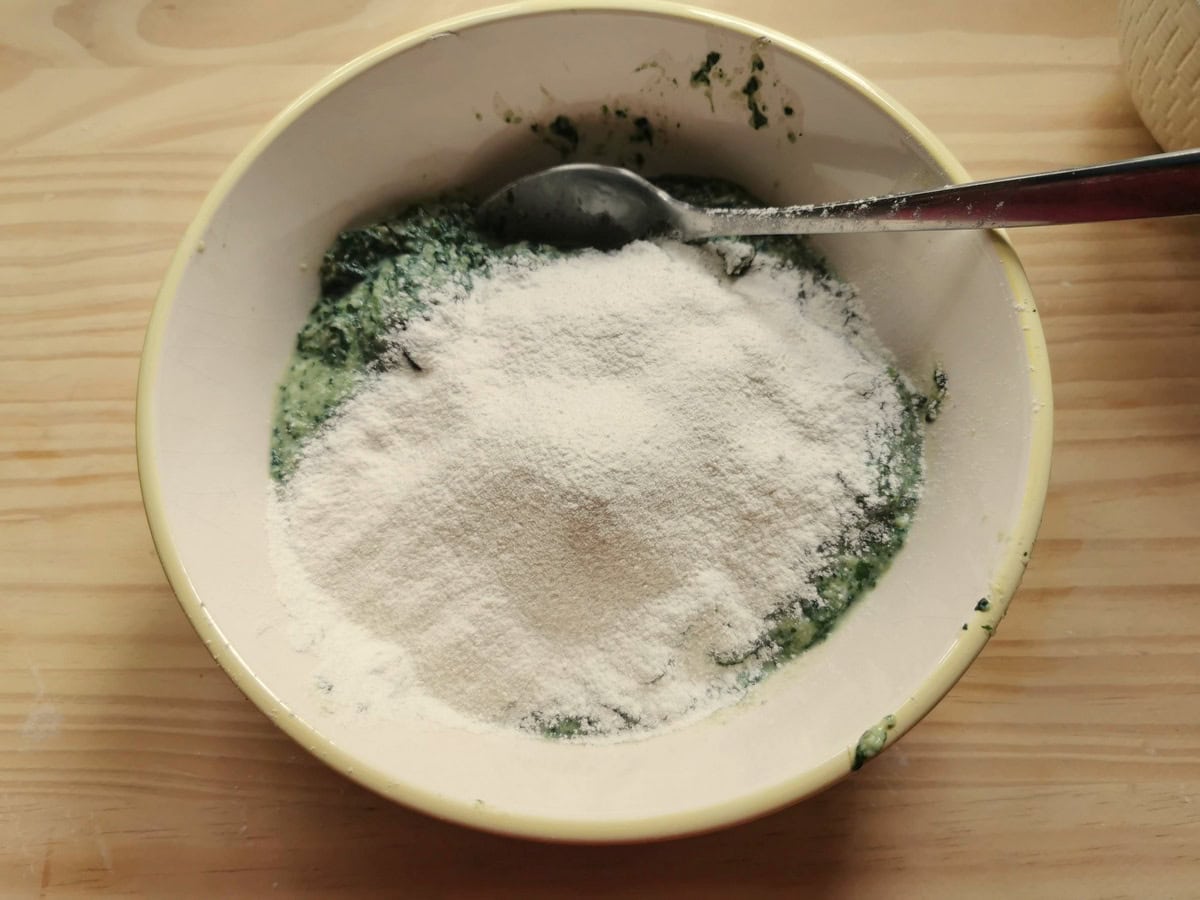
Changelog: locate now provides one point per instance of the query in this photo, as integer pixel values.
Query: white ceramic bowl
(428, 112)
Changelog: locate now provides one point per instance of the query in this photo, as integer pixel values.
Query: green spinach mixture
(376, 278)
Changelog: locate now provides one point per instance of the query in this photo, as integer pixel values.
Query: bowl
(452, 106)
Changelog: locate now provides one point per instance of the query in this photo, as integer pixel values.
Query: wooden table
(1067, 761)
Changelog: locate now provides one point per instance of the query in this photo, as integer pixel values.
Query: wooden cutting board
(1065, 764)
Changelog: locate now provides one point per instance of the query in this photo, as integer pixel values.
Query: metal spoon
(602, 206)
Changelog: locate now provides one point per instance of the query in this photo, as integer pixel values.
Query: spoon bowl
(581, 205)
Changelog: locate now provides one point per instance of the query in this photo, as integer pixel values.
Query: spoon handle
(1166, 184)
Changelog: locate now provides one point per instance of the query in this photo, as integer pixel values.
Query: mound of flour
(584, 484)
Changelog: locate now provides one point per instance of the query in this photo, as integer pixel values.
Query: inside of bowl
(458, 110)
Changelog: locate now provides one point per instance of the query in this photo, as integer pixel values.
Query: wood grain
(1065, 764)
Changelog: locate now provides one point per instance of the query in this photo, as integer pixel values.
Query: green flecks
(709, 73)
(930, 404)
(643, 131)
(757, 118)
(788, 110)
(559, 133)
(988, 628)
(617, 125)
(872, 742)
(651, 64)
(702, 75)
(478, 117)
(983, 605)
(560, 726)
(964, 628)
(564, 128)
(791, 136)
(512, 118)
(565, 727)
(937, 397)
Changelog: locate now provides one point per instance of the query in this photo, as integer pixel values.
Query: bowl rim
(485, 817)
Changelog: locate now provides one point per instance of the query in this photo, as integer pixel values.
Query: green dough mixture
(374, 278)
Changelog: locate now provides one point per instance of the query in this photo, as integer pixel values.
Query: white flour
(607, 472)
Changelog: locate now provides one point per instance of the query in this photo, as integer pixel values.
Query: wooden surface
(1065, 764)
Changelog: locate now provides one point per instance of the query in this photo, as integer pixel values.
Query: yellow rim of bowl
(950, 668)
